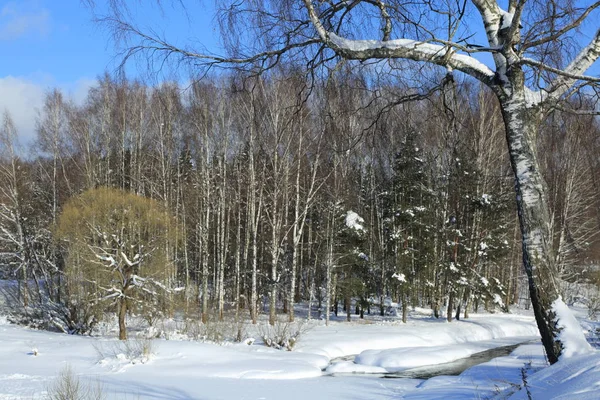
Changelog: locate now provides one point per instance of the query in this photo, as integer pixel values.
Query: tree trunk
(404, 305)
(122, 314)
(450, 306)
(347, 307)
(534, 219)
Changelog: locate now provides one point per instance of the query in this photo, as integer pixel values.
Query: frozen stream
(429, 371)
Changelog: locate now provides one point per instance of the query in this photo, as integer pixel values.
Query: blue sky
(55, 43)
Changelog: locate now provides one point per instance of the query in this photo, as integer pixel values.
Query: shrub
(68, 386)
(215, 331)
(281, 335)
(134, 350)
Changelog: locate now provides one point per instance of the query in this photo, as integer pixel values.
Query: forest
(242, 195)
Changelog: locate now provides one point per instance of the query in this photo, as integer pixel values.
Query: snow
(394, 360)
(506, 19)
(354, 221)
(571, 335)
(347, 367)
(501, 375)
(418, 49)
(577, 377)
(417, 332)
(496, 299)
(31, 360)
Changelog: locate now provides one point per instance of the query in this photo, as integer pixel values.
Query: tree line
(273, 196)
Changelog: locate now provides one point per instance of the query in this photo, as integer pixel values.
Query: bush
(73, 318)
(215, 331)
(68, 386)
(593, 307)
(281, 335)
(134, 350)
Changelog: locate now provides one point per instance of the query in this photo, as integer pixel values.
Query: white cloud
(78, 90)
(18, 19)
(24, 98)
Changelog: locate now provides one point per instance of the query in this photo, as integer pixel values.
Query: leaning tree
(536, 63)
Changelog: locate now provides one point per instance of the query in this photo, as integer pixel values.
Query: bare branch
(558, 71)
(555, 36)
(573, 72)
(387, 30)
(576, 112)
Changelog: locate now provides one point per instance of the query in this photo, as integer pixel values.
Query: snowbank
(576, 377)
(339, 340)
(394, 360)
(571, 335)
(186, 370)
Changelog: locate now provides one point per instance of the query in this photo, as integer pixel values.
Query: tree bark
(534, 220)
(122, 314)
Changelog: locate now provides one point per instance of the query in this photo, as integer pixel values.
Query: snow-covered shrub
(213, 330)
(43, 313)
(135, 350)
(217, 331)
(281, 335)
(68, 386)
(593, 305)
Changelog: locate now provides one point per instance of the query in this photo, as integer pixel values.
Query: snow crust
(507, 19)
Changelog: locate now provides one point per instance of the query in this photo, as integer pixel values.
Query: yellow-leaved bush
(116, 251)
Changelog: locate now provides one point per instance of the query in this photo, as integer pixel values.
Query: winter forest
(351, 188)
(271, 198)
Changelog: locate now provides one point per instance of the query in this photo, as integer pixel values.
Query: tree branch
(400, 48)
(573, 72)
(575, 24)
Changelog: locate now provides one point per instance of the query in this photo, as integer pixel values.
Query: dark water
(452, 368)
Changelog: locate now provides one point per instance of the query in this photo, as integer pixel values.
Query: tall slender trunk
(329, 269)
(238, 249)
(122, 314)
(534, 220)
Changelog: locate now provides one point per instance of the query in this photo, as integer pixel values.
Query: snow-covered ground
(31, 360)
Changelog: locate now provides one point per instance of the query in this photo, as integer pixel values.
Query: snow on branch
(136, 260)
(354, 221)
(411, 50)
(400, 48)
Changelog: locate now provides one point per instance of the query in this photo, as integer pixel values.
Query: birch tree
(13, 237)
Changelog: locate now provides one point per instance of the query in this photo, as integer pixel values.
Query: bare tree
(12, 221)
